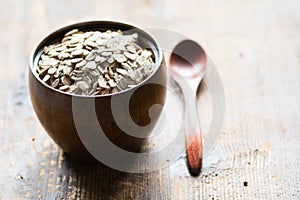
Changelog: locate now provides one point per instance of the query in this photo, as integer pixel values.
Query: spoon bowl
(188, 59)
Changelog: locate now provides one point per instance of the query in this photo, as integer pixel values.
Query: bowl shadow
(97, 181)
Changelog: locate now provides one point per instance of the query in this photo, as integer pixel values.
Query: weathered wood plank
(255, 46)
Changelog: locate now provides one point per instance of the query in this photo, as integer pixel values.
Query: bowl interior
(145, 40)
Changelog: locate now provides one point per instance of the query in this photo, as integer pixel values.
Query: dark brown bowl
(58, 111)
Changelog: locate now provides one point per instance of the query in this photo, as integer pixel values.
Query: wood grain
(255, 46)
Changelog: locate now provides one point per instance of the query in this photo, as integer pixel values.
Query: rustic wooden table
(255, 46)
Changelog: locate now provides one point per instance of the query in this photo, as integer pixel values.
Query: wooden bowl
(55, 109)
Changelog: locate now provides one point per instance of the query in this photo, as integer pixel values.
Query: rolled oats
(95, 63)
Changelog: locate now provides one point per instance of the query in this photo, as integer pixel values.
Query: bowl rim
(70, 26)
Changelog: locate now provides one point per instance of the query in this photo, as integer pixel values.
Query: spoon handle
(193, 136)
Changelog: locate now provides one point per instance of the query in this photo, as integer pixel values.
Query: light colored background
(256, 48)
